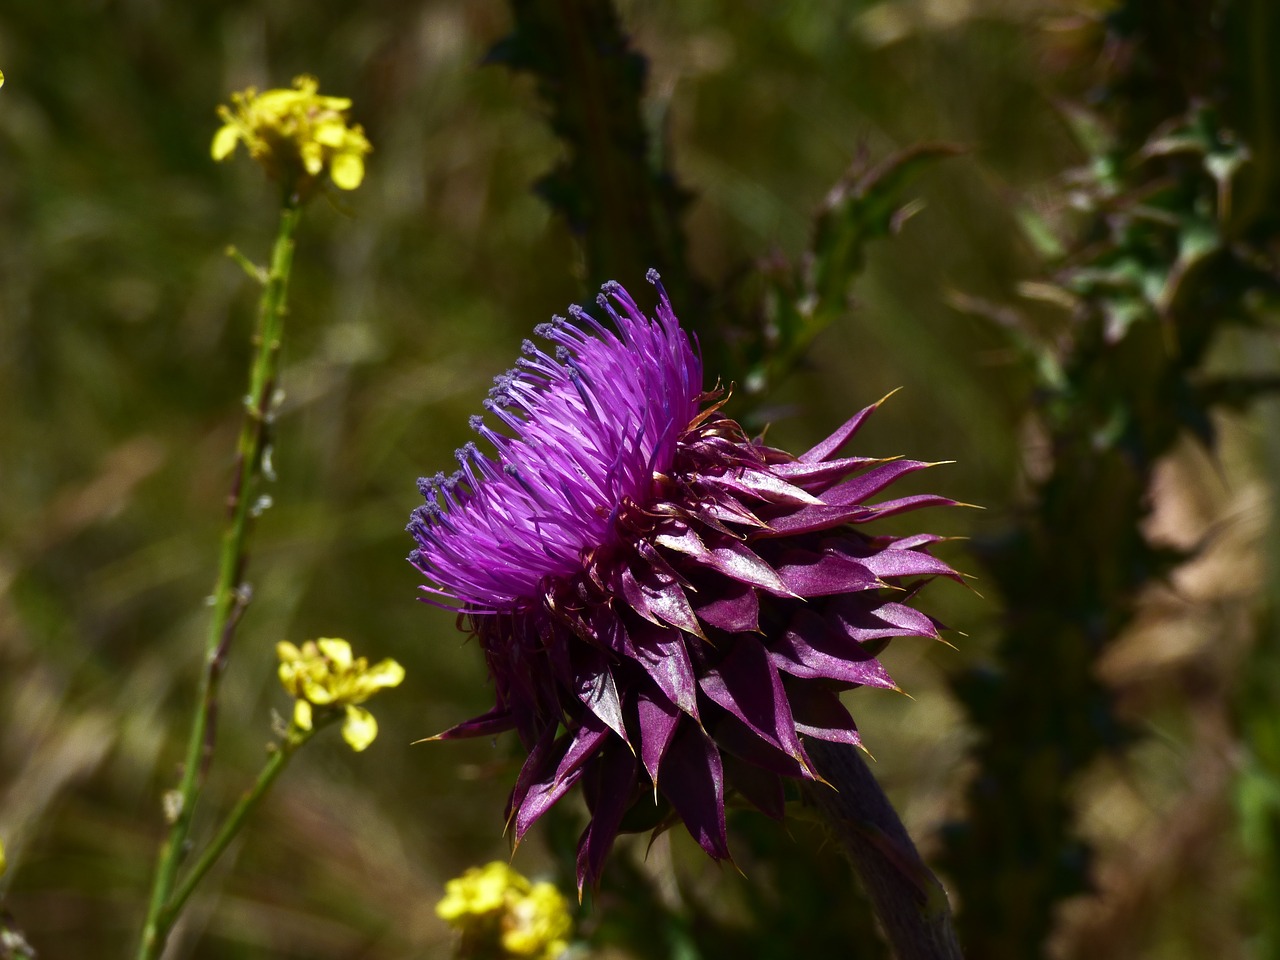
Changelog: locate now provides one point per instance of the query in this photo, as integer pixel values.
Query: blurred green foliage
(1159, 268)
(123, 346)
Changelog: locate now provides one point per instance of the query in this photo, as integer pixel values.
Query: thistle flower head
(667, 606)
(593, 417)
(323, 674)
(295, 135)
(500, 913)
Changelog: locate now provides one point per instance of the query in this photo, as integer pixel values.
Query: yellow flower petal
(324, 673)
(295, 135)
(224, 142)
(502, 914)
(4, 864)
(336, 104)
(479, 891)
(339, 651)
(330, 133)
(360, 728)
(318, 692)
(387, 673)
(347, 171)
(302, 715)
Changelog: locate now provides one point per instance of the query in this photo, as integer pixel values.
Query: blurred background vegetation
(123, 348)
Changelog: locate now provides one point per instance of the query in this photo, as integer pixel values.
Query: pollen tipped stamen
(510, 419)
(497, 440)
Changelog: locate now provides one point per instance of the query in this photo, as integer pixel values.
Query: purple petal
(613, 779)
(916, 540)
(820, 476)
(812, 648)
(582, 746)
(763, 485)
(736, 738)
(718, 508)
(534, 769)
(859, 488)
(728, 556)
(907, 563)
(692, 778)
(747, 685)
(498, 720)
(889, 508)
(819, 713)
(612, 633)
(542, 796)
(811, 519)
(654, 558)
(735, 559)
(838, 439)
(734, 609)
(681, 538)
(595, 687)
(864, 618)
(811, 574)
(659, 718)
(659, 600)
(664, 657)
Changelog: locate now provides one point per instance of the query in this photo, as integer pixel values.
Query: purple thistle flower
(667, 607)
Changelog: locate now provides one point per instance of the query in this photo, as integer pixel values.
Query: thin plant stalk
(909, 902)
(230, 595)
(275, 764)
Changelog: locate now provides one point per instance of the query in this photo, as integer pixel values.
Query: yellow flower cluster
(324, 674)
(500, 913)
(295, 134)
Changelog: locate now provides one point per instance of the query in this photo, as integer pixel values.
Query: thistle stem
(908, 899)
(230, 594)
(275, 764)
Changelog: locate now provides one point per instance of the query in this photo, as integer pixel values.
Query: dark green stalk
(615, 191)
(1161, 268)
(908, 899)
(230, 593)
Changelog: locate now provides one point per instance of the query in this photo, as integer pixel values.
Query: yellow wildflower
(324, 674)
(4, 864)
(500, 913)
(295, 134)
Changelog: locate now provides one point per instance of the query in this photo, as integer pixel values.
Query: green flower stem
(908, 899)
(230, 594)
(236, 818)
